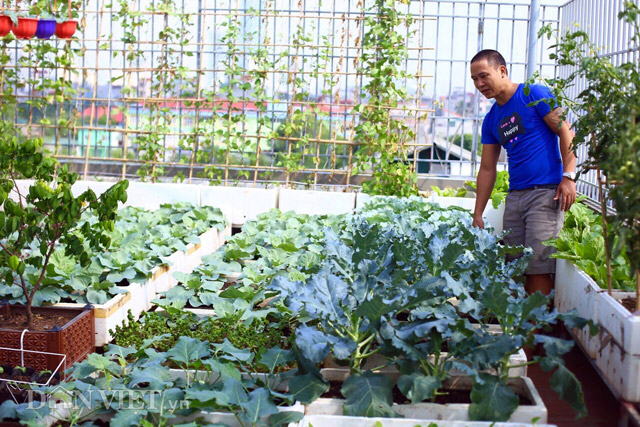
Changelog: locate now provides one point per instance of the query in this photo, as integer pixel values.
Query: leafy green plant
(32, 224)
(140, 241)
(500, 188)
(382, 137)
(607, 111)
(581, 241)
(407, 286)
(449, 192)
(256, 335)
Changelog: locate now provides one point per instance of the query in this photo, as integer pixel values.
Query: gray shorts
(533, 217)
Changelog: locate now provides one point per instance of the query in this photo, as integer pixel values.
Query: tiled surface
(604, 409)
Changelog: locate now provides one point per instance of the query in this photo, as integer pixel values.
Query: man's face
(489, 79)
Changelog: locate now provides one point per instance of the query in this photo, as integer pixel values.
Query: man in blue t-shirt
(541, 170)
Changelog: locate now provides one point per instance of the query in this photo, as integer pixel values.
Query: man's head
(489, 73)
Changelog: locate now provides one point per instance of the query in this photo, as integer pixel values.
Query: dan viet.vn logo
(510, 129)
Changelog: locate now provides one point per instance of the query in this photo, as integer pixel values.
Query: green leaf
(368, 395)
(307, 388)
(156, 376)
(374, 308)
(234, 391)
(418, 387)
(127, 417)
(285, 418)
(207, 395)
(259, 405)
(188, 350)
(491, 400)
(569, 388)
(274, 357)
(101, 363)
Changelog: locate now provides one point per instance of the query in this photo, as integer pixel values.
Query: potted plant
(66, 28)
(46, 25)
(31, 227)
(5, 22)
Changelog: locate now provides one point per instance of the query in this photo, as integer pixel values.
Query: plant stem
(603, 212)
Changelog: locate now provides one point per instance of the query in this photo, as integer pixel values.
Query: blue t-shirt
(532, 147)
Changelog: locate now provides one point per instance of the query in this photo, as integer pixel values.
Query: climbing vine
(165, 83)
(381, 136)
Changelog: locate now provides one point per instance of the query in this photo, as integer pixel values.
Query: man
(541, 170)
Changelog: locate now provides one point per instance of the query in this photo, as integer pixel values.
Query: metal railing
(135, 84)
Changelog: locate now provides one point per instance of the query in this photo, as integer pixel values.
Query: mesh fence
(259, 90)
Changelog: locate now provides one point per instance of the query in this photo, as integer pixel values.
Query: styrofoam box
(616, 348)
(316, 202)
(342, 421)
(239, 204)
(451, 411)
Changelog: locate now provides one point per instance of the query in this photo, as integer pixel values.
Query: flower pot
(5, 25)
(67, 29)
(26, 28)
(75, 339)
(46, 28)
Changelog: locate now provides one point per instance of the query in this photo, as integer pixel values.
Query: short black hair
(492, 57)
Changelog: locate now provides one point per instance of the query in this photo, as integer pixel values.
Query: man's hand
(478, 221)
(566, 193)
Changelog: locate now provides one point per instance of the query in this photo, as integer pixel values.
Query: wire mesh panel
(463, 28)
(262, 90)
(599, 19)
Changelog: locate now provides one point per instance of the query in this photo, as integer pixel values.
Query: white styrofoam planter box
(151, 196)
(316, 202)
(225, 418)
(616, 348)
(239, 204)
(340, 373)
(362, 199)
(210, 241)
(450, 411)
(575, 290)
(342, 421)
(229, 419)
(491, 215)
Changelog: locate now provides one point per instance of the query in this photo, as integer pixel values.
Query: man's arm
(486, 180)
(567, 188)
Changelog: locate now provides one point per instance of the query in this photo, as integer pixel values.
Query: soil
(451, 396)
(629, 303)
(41, 322)
(42, 379)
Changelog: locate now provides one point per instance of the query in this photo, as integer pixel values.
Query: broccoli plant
(33, 222)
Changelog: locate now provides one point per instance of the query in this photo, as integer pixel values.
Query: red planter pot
(76, 339)
(5, 25)
(66, 29)
(26, 28)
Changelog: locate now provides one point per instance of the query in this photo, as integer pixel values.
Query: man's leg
(539, 282)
